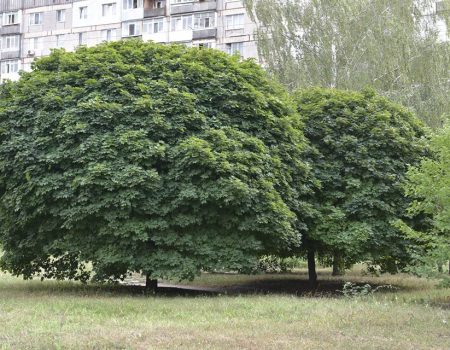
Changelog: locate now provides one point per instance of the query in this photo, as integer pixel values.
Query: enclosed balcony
(204, 33)
(10, 29)
(194, 6)
(154, 8)
(7, 55)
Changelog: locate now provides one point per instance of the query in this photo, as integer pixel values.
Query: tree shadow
(273, 285)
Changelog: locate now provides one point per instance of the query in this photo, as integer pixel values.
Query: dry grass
(55, 315)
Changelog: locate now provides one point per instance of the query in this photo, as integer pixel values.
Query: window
(10, 18)
(233, 48)
(10, 67)
(10, 43)
(108, 34)
(132, 4)
(182, 1)
(234, 21)
(207, 45)
(108, 10)
(35, 44)
(440, 6)
(61, 16)
(131, 29)
(36, 18)
(81, 38)
(154, 26)
(204, 20)
(83, 12)
(158, 5)
(182, 23)
(60, 40)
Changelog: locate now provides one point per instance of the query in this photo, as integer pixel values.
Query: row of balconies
(152, 8)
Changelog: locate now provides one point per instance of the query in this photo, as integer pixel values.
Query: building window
(182, 1)
(10, 43)
(83, 12)
(154, 26)
(158, 5)
(36, 18)
(108, 10)
(132, 4)
(34, 44)
(440, 6)
(108, 34)
(131, 29)
(204, 20)
(233, 48)
(81, 39)
(206, 45)
(61, 16)
(234, 21)
(10, 67)
(182, 23)
(60, 40)
(10, 18)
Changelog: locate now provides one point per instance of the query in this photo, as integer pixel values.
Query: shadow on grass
(296, 285)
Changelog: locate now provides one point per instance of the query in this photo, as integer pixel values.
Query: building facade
(31, 28)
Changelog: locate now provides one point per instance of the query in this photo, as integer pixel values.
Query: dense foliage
(429, 185)
(363, 146)
(395, 46)
(141, 157)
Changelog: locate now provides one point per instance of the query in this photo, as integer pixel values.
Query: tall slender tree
(394, 46)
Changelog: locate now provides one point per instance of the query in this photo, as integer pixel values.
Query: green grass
(63, 315)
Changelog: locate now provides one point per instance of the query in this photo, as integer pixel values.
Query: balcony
(10, 29)
(194, 7)
(6, 55)
(158, 12)
(37, 3)
(204, 33)
(154, 8)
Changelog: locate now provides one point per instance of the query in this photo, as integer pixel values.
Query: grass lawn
(63, 315)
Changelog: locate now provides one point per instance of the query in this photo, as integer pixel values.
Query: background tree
(362, 147)
(142, 157)
(394, 46)
(429, 185)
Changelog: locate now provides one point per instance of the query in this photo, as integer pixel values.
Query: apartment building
(31, 28)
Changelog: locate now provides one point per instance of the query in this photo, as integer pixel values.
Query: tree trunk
(151, 285)
(338, 265)
(312, 274)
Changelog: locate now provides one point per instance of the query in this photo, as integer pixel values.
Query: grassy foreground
(62, 315)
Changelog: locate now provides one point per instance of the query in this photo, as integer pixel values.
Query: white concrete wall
(95, 13)
(238, 34)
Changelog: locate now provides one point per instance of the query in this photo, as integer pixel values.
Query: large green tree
(362, 146)
(394, 46)
(135, 156)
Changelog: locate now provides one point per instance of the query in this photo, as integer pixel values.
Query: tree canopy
(362, 147)
(428, 186)
(136, 156)
(395, 46)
